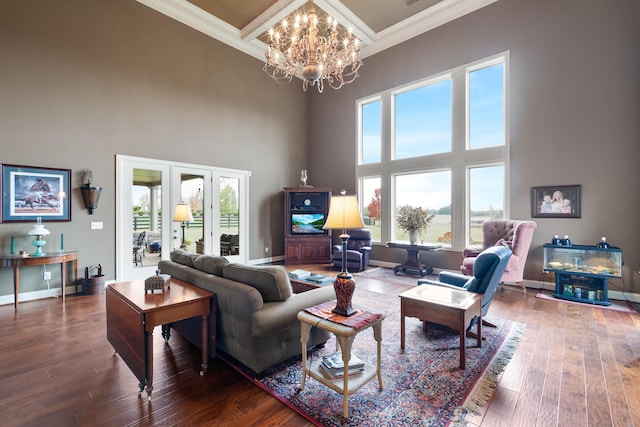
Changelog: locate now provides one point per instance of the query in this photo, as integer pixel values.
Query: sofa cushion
(183, 257)
(271, 281)
(210, 264)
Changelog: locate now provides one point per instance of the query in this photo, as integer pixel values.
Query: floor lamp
(183, 216)
(344, 213)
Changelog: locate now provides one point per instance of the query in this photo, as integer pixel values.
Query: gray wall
(84, 80)
(575, 104)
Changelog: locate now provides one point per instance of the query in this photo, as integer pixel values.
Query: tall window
(430, 191)
(371, 132)
(423, 120)
(486, 199)
(446, 151)
(486, 106)
(371, 205)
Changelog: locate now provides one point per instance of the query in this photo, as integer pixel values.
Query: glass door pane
(192, 193)
(140, 237)
(229, 208)
(146, 224)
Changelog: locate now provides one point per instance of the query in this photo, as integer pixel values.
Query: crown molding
(246, 40)
(437, 15)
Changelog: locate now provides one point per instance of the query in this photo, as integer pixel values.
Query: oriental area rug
(422, 385)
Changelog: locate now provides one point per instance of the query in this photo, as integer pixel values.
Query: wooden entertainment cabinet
(305, 211)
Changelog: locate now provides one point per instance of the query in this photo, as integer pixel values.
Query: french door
(148, 189)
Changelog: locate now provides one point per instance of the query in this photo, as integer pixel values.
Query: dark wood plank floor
(576, 365)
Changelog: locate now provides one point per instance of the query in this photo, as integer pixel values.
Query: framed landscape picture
(559, 201)
(29, 192)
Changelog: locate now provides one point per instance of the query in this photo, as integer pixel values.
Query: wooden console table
(61, 258)
(132, 314)
(412, 264)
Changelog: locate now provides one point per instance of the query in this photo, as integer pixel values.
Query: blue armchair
(358, 250)
(487, 271)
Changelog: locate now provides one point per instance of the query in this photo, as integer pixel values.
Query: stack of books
(319, 279)
(299, 274)
(332, 366)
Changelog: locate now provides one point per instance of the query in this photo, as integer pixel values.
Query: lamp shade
(38, 230)
(343, 213)
(183, 213)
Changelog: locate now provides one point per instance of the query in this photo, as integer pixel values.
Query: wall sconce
(90, 194)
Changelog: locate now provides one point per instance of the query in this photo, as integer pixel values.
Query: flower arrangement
(413, 219)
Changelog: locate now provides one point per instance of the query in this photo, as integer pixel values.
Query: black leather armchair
(358, 250)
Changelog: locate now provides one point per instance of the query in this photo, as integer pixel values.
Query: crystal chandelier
(295, 49)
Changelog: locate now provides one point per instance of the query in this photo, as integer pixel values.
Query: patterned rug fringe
(486, 387)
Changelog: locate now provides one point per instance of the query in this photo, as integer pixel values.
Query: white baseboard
(266, 260)
(44, 293)
(31, 296)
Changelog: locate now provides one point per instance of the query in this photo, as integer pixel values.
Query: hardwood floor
(576, 365)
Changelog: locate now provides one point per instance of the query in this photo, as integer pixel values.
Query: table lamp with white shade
(38, 231)
(183, 216)
(344, 213)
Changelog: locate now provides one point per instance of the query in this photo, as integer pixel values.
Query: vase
(414, 236)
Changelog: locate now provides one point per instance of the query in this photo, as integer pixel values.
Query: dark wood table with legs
(445, 306)
(54, 258)
(132, 314)
(413, 264)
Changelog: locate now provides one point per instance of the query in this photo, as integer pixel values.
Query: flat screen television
(307, 223)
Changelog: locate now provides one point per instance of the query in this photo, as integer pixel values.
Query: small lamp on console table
(38, 232)
(183, 216)
(343, 214)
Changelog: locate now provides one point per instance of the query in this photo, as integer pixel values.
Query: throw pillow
(210, 264)
(183, 257)
(271, 281)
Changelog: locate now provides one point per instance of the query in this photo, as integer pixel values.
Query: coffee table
(132, 314)
(413, 264)
(301, 285)
(445, 306)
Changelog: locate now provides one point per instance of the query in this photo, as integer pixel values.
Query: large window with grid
(442, 144)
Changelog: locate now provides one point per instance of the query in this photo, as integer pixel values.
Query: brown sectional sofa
(256, 322)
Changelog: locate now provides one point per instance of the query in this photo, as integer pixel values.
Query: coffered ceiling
(380, 24)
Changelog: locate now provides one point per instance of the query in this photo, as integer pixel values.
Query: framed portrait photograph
(559, 201)
(29, 192)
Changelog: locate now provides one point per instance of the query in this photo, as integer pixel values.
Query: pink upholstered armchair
(514, 234)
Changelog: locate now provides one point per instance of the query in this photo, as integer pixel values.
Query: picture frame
(31, 192)
(557, 201)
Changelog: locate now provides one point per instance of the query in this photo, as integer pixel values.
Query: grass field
(440, 225)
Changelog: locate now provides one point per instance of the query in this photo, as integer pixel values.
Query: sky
(423, 126)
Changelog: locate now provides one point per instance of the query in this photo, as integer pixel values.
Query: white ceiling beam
(270, 17)
(246, 40)
(433, 17)
(346, 17)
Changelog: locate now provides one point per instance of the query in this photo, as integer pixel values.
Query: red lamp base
(344, 286)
